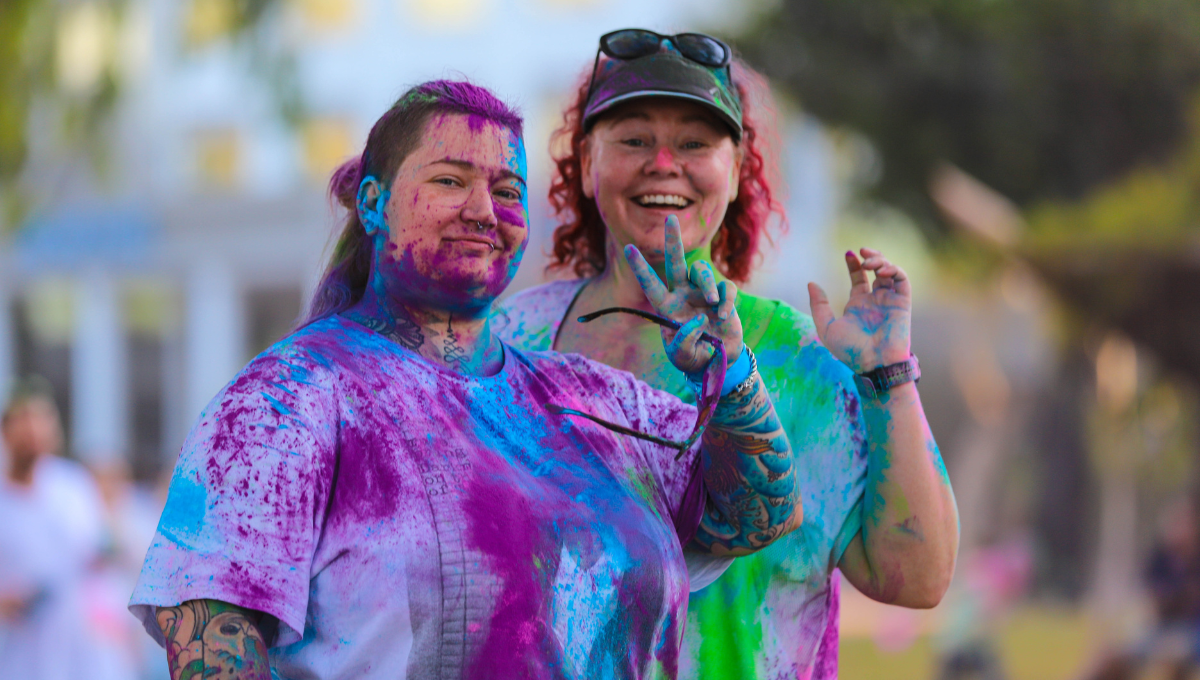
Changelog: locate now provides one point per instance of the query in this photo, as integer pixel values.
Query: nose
(664, 161)
(479, 208)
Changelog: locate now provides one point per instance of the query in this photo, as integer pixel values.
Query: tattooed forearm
(212, 639)
(753, 495)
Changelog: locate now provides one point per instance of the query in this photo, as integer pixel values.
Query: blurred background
(1033, 164)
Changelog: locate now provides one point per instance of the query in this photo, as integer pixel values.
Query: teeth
(663, 199)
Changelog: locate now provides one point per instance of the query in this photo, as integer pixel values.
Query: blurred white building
(139, 300)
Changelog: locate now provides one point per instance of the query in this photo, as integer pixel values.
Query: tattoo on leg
(212, 639)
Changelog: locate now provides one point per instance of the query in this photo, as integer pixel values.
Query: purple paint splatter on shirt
(773, 614)
(403, 520)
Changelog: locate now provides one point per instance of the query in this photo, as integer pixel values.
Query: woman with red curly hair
(667, 137)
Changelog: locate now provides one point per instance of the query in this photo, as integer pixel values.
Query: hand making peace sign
(693, 298)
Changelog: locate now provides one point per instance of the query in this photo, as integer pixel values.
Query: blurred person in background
(51, 538)
(1171, 649)
(390, 491)
(991, 580)
(677, 126)
(131, 514)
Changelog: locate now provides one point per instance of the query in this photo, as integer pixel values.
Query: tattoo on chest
(452, 353)
(407, 333)
(404, 331)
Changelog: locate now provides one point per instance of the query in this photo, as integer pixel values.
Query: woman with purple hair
(392, 492)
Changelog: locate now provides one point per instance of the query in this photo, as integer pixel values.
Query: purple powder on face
(397, 132)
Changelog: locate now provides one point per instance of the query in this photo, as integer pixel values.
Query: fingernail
(849, 253)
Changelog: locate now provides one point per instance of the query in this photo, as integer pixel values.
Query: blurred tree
(1079, 120)
(66, 63)
(16, 92)
(1039, 99)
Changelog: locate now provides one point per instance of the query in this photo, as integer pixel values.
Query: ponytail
(349, 268)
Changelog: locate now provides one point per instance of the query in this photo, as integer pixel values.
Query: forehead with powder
(467, 138)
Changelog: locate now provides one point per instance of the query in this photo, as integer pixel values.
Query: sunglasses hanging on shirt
(710, 385)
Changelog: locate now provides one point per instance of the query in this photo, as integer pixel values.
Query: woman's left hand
(874, 329)
(694, 299)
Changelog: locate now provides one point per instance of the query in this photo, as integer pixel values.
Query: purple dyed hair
(396, 134)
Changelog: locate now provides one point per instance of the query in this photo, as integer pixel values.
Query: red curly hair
(579, 239)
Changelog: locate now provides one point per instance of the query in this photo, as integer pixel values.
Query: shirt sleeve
(242, 514)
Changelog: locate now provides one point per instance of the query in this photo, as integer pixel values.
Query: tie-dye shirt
(772, 614)
(400, 520)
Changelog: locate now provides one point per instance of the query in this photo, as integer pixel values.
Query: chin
(470, 294)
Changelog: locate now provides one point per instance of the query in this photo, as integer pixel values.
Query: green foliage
(1152, 207)
(35, 35)
(1043, 100)
(18, 49)
(30, 36)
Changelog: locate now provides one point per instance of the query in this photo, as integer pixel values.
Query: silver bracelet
(745, 385)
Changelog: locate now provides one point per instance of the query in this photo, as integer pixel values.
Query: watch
(878, 381)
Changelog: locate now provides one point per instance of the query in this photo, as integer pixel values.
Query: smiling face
(457, 217)
(655, 157)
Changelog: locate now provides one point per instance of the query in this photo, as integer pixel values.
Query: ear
(585, 167)
(372, 206)
(736, 179)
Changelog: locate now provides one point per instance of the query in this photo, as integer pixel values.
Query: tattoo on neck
(452, 354)
(400, 328)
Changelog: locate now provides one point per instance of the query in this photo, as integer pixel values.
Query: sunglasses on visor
(633, 43)
(710, 386)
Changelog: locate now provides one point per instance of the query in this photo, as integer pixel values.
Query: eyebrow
(468, 165)
(703, 117)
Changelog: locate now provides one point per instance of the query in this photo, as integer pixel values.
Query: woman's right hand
(694, 299)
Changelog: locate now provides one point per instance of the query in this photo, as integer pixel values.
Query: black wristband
(878, 381)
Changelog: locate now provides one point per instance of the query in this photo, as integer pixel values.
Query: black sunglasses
(633, 43)
(710, 387)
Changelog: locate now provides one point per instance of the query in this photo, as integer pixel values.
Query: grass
(1035, 643)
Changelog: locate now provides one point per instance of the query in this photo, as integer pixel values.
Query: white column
(799, 255)
(99, 375)
(8, 344)
(214, 342)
